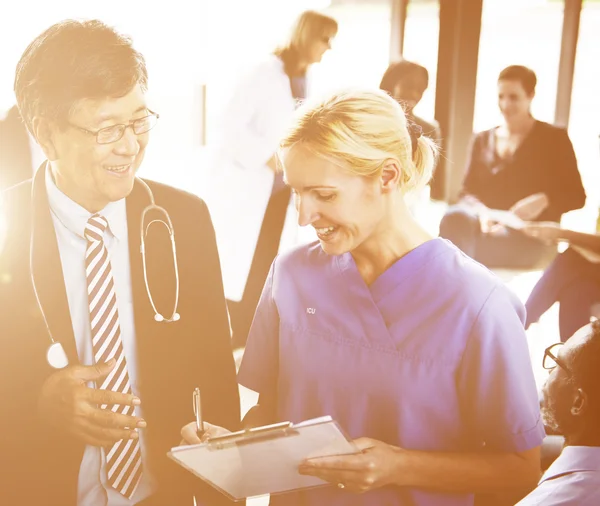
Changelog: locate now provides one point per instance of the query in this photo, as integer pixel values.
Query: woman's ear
(390, 175)
(42, 131)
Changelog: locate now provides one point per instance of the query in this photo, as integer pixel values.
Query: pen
(198, 412)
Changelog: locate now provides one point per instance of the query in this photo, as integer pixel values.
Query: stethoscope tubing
(55, 355)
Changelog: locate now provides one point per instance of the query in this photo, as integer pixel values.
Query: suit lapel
(135, 203)
(159, 265)
(153, 340)
(47, 270)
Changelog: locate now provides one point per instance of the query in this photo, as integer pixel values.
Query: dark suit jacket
(15, 152)
(40, 465)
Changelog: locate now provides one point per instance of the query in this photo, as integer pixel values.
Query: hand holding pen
(199, 431)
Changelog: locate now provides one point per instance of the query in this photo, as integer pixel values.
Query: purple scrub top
(432, 356)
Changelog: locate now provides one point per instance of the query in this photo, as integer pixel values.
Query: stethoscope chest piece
(56, 356)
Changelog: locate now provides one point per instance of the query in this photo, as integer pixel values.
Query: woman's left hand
(375, 466)
(546, 231)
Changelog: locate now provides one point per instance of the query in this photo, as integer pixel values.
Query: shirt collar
(75, 218)
(574, 459)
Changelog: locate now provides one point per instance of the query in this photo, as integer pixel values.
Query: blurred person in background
(246, 196)
(406, 82)
(524, 166)
(94, 427)
(572, 279)
(417, 351)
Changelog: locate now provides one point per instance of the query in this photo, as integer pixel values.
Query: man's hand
(191, 437)
(68, 404)
(531, 207)
(546, 231)
(377, 465)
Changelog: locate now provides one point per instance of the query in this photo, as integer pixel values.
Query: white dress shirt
(70, 220)
(573, 479)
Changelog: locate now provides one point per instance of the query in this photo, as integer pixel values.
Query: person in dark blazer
(525, 166)
(97, 431)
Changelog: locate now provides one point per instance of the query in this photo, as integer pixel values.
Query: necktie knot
(95, 228)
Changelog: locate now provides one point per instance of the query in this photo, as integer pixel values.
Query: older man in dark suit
(97, 431)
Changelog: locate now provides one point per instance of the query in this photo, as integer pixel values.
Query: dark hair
(524, 75)
(397, 71)
(586, 370)
(73, 60)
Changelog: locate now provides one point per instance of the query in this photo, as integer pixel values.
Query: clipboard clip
(248, 436)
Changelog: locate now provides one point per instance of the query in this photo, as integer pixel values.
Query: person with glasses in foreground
(97, 431)
(571, 407)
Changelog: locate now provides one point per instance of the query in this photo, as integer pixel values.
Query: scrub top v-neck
(431, 356)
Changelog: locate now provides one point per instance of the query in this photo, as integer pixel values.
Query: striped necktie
(123, 459)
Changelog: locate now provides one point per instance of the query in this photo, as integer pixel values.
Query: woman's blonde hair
(310, 26)
(360, 130)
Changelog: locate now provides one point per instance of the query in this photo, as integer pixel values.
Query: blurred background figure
(406, 82)
(524, 165)
(20, 155)
(572, 279)
(246, 195)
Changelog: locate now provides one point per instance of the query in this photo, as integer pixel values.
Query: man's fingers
(100, 397)
(109, 419)
(93, 372)
(98, 436)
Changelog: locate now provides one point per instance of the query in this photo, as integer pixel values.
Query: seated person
(571, 405)
(406, 82)
(572, 279)
(509, 165)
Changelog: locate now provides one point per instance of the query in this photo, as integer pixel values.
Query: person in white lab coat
(246, 196)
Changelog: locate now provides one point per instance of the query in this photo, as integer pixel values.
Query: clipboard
(264, 460)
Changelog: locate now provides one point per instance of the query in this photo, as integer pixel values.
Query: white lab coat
(240, 183)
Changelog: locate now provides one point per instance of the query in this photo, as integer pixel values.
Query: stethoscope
(56, 356)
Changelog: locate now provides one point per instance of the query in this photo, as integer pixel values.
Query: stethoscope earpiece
(160, 318)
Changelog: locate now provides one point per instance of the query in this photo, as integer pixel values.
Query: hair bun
(415, 131)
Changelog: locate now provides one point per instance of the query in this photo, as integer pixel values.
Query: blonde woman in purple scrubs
(415, 349)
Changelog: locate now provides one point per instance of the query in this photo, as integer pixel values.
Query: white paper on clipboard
(264, 460)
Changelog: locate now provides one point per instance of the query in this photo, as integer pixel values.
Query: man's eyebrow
(113, 117)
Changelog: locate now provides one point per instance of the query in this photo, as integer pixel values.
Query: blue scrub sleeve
(497, 389)
(260, 364)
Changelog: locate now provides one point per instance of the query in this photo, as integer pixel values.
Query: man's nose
(128, 144)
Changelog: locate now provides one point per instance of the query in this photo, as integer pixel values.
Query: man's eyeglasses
(114, 133)
(551, 359)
